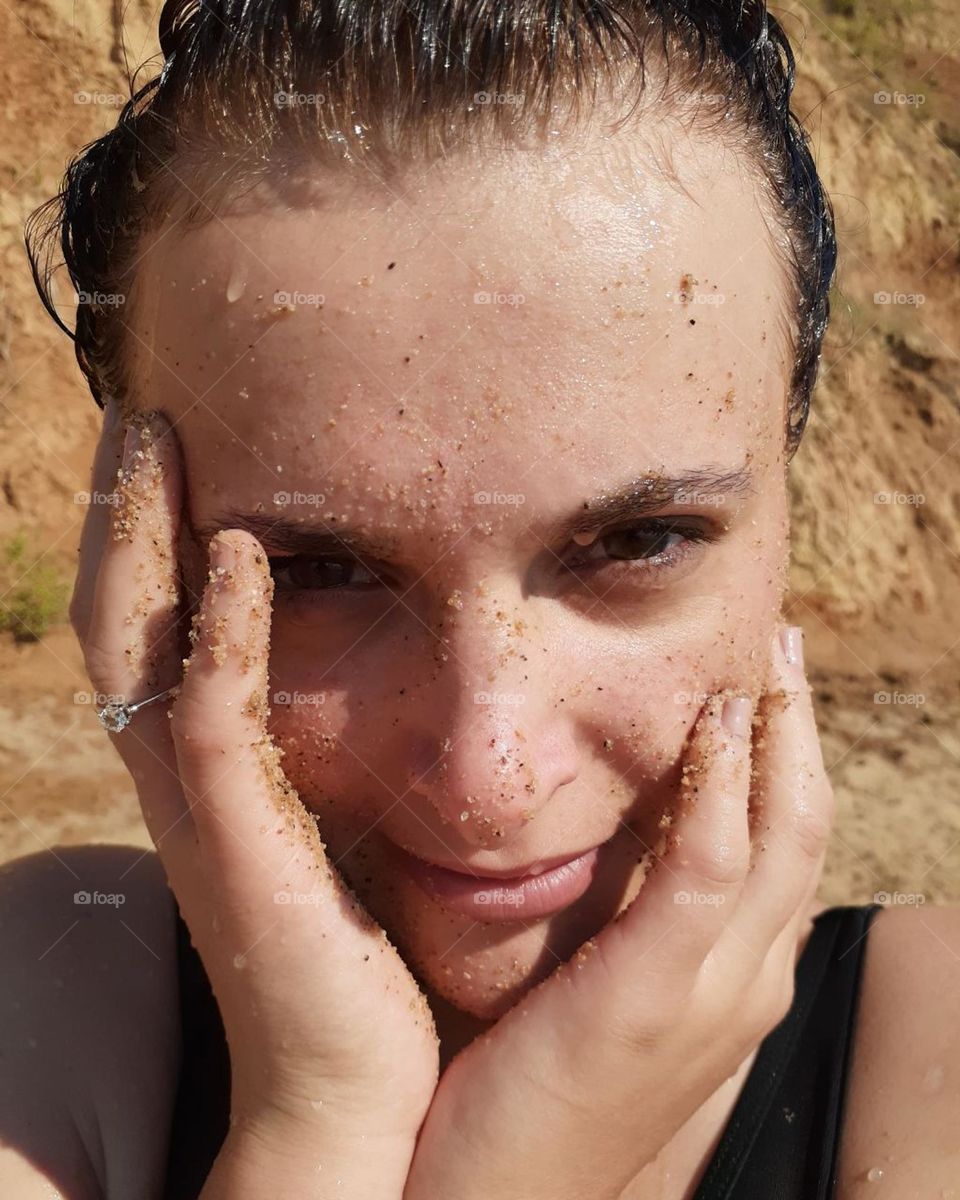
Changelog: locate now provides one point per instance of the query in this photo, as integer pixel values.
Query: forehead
(574, 308)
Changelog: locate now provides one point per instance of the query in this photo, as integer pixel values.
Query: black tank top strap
(201, 1115)
(782, 1139)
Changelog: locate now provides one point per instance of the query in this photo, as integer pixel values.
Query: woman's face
(409, 394)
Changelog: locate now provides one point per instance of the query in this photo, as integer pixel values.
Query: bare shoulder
(89, 1026)
(903, 1104)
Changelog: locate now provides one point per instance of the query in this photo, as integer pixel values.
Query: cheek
(653, 695)
(309, 724)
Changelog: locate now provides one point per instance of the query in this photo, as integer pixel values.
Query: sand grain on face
(466, 431)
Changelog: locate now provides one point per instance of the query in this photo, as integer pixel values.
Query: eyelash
(656, 528)
(692, 533)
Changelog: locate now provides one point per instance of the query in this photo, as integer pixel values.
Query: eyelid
(694, 527)
(663, 566)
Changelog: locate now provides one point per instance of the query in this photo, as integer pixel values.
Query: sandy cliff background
(876, 484)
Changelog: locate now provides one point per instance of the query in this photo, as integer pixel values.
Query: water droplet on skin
(316, 1105)
(464, 816)
(236, 285)
(875, 1174)
(239, 961)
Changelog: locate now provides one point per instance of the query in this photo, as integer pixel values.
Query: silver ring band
(116, 716)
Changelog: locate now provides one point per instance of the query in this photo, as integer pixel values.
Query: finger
(131, 645)
(793, 804)
(96, 522)
(685, 900)
(256, 838)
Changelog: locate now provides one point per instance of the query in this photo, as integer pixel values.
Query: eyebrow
(650, 494)
(641, 497)
(287, 536)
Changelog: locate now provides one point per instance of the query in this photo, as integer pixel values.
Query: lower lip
(504, 900)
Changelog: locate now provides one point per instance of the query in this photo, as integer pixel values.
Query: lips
(526, 894)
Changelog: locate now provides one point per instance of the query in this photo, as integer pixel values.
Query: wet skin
(476, 685)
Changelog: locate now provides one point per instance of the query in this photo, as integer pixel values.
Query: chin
(496, 971)
(485, 969)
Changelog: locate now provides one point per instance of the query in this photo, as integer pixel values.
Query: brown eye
(654, 539)
(303, 574)
(639, 542)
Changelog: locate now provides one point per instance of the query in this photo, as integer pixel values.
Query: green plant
(33, 595)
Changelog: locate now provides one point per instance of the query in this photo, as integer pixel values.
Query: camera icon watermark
(899, 898)
(914, 299)
(507, 498)
(910, 499)
(705, 299)
(896, 99)
(100, 699)
(496, 98)
(298, 99)
(909, 699)
(111, 498)
(298, 699)
(292, 300)
(504, 896)
(104, 99)
(698, 498)
(111, 899)
(298, 898)
(102, 299)
(506, 299)
(302, 499)
(714, 899)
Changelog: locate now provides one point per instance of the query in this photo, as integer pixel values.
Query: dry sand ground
(875, 585)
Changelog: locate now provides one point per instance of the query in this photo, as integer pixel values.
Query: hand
(581, 1085)
(327, 1030)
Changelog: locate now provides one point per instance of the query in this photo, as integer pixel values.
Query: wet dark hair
(389, 80)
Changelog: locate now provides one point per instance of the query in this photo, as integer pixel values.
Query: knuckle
(809, 832)
(198, 735)
(641, 1037)
(78, 612)
(632, 1017)
(722, 868)
(102, 666)
(192, 737)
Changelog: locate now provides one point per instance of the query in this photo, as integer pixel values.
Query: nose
(491, 746)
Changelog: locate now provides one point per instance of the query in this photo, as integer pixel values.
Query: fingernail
(791, 641)
(736, 715)
(131, 444)
(223, 555)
